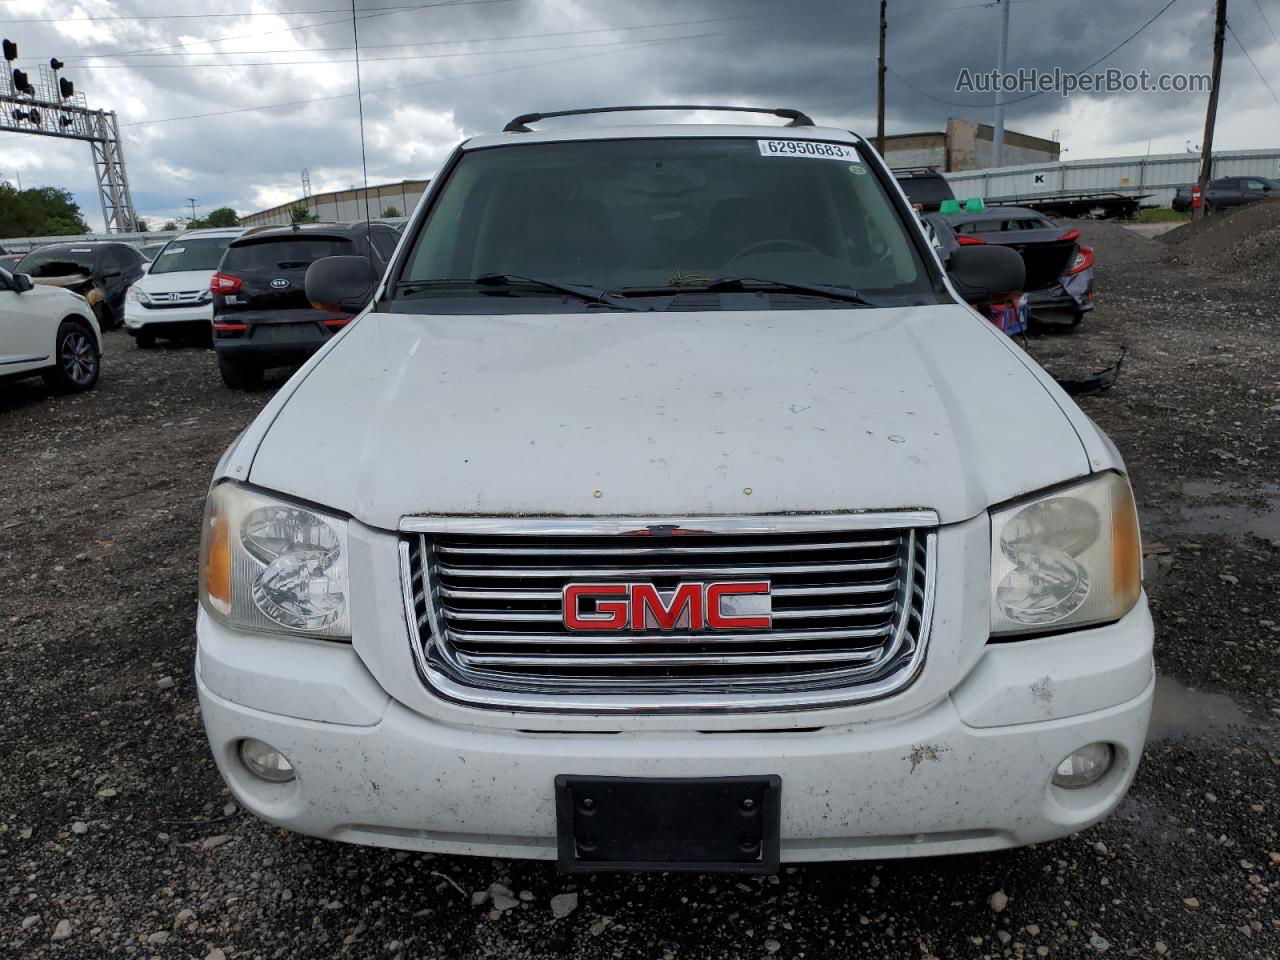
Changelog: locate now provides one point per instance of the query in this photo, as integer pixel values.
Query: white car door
(27, 328)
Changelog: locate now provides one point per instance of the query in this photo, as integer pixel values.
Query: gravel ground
(117, 837)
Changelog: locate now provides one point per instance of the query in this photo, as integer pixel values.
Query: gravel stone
(563, 904)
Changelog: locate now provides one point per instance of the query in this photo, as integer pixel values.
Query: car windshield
(57, 263)
(626, 216)
(190, 253)
(285, 253)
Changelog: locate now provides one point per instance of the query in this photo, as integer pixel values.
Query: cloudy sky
(216, 107)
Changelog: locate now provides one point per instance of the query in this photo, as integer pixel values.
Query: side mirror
(340, 284)
(982, 272)
(22, 283)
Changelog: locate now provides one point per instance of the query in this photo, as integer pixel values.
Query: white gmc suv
(669, 508)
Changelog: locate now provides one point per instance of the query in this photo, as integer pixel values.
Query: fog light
(1084, 767)
(265, 761)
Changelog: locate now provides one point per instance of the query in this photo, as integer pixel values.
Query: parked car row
(242, 286)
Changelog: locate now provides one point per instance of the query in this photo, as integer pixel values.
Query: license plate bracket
(721, 824)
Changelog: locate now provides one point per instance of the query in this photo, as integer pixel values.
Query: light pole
(1002, 64)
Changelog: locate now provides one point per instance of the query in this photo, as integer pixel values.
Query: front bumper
(137, 316)
(969, 772)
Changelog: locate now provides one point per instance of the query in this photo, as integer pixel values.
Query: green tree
(141, 226)
(222, 217)
(39, 212)
(169, 225)
(392, 212)
(300, 214)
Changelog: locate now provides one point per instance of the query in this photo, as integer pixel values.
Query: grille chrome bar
(664, 551)
(467, 637)
(852, 606)
(604, 573)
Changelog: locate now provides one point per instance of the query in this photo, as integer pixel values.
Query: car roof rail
(520, 123)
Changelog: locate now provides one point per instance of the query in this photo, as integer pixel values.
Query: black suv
(1226, 192)
(261, 315)
(101, 271)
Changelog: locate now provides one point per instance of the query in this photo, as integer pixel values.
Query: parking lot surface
(117, 837)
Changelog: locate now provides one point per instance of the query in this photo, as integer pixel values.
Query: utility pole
(192, 201)
(1211, 115)
(1002, 64)
(880, 83)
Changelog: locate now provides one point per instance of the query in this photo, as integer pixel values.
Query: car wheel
(239, 376)
(145, 339)
(78, 361)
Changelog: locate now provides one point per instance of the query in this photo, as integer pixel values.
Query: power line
(363, 60)
(302, 26)
(417, 83)
(1260, 74)
(1039, 93)
(419, 43)
(1265, 20)
(199, 16)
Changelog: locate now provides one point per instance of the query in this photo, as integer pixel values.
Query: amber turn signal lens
(215, 554)
(1126, 547)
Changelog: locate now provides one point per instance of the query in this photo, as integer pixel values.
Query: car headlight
(137, 295)
(267, 564)
(1066, 559)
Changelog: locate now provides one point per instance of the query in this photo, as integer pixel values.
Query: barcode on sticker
(807, 148)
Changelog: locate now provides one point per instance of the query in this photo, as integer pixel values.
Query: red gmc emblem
(691, 606)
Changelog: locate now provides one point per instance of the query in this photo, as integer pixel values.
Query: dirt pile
(1243, 243)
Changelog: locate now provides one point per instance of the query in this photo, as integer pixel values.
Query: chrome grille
(850, 614)
(181, 298)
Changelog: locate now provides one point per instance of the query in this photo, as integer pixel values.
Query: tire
(78, 360)
(239, 376)
(145, 339)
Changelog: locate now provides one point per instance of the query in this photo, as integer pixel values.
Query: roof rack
(520, 123)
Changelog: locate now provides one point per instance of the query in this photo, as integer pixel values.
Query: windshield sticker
(81, 250)
(171, 251)
(806, 148)
(857, 169)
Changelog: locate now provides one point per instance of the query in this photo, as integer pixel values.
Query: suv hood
(668, 414)
(180, 281)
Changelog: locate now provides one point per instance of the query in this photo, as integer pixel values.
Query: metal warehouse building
(346, 204)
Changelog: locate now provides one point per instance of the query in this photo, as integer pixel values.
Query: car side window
(1255, 185)
(384, 241)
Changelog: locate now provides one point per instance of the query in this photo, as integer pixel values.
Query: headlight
(137, 295)
(270, 565)
(1066, 559)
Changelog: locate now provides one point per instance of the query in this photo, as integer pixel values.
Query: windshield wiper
(756, 285)
(583, 292)
(753, 285)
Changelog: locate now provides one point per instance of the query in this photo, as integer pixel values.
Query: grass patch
(1160, 215)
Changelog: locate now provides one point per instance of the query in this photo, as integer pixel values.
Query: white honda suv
(671, 509)
(49, 332)
(173, 297)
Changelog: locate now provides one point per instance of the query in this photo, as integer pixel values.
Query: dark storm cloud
(815, 54)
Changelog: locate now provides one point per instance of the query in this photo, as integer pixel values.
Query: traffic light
(22, 83)
(66, 88)
(33, 115)
(10, 51)
(55, 64)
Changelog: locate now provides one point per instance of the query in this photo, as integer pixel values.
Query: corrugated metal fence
(1159, 175)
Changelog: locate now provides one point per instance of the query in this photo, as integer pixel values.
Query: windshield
(630, 215)
(190, 253)
(285, 253)
(57, 263)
